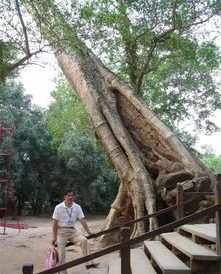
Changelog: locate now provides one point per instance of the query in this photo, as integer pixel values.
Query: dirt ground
(30, 245)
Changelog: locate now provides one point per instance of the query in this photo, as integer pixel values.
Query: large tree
(152, 37)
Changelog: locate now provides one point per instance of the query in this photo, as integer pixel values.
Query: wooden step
(204, 231)
(189, 248)
(140, 264)
(165, 259)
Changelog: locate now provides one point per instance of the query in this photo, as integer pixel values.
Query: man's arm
(54, 231)
(85, 225)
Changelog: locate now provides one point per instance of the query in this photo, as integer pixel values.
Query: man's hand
(54, 231)
(85, 226)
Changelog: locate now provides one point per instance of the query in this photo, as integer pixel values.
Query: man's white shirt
(67, 216)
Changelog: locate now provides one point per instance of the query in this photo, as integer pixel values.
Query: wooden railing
(180, 198)
(125, 245)
(144, 218)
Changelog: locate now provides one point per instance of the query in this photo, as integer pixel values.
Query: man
(64, 218)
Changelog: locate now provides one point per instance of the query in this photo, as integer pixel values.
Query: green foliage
(31, 146)
(7, 54)
(183, 88)
(66, 114)
(213, 162)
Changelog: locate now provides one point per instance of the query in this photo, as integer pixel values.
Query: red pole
(1, 132)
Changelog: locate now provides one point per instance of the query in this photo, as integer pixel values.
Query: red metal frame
(5, 179)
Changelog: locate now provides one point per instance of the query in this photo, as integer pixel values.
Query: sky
(39, 81)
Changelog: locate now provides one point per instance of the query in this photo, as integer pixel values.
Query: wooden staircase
(189, 250)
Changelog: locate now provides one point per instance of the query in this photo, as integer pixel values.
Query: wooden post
(125, 251)
(179, 201)
(28, 269)
(218, 216)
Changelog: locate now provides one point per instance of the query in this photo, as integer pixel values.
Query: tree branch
(27, 49)
(162, 37)
(130, 43)
(21, 62)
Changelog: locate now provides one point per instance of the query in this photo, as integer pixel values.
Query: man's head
(69, 196)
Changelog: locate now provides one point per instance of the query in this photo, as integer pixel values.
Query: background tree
(32, 153)
(148, 157)
(212, 160)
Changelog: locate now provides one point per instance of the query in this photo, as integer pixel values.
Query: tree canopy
(155, 45)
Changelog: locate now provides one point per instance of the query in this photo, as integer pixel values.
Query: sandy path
(30, 245)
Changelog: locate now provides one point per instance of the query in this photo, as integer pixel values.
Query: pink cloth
(52, 258)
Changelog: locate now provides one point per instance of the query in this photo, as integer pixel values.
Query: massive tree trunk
(149, 159)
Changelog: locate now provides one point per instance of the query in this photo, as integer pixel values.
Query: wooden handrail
(199, 193)
(218, 218)
(168, 227)
(179, 201)
(144, 218)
